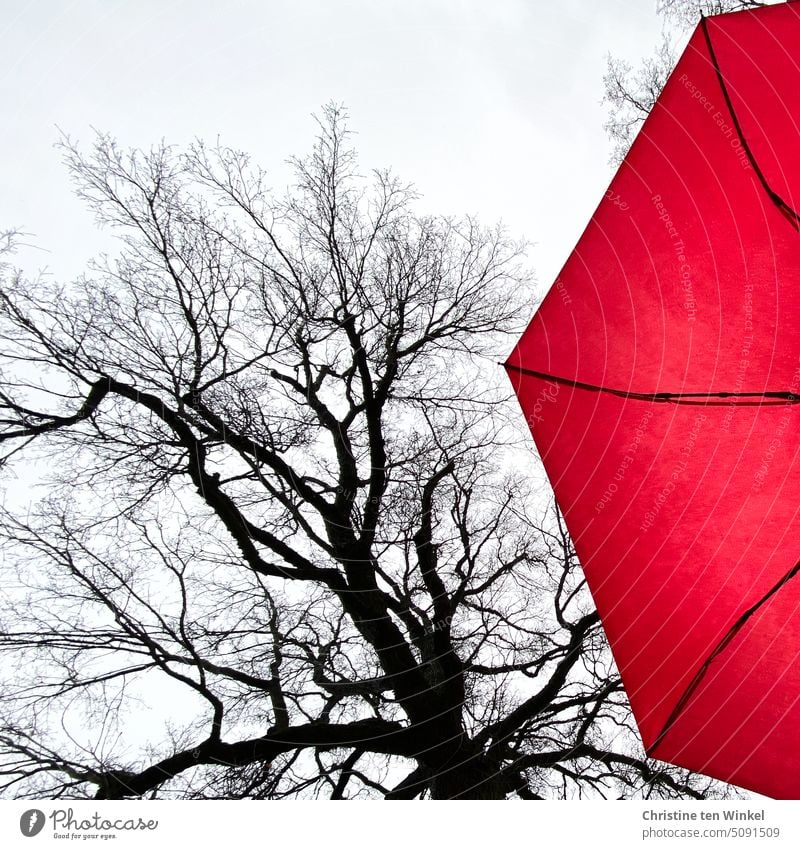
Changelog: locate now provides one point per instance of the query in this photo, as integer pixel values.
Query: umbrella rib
(707, 399)
(720, 647)
(788, 212)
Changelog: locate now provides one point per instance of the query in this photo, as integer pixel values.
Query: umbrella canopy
(659, 379)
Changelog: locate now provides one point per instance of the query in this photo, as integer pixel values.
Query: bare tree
(687, 13)
(283, 546)
(632, 92)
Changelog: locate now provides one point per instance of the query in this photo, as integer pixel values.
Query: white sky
(491, 108)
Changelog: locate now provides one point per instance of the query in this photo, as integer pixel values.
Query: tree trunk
(470, 777)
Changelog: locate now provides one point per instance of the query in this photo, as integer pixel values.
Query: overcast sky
(491, 108)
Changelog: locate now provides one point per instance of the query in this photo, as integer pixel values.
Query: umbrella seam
(718, 649)
(790, 214)
(714, 399)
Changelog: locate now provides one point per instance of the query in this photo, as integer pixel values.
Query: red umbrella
(659, 379)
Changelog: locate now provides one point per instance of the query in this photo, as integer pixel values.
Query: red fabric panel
(687, 279)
